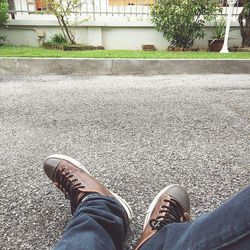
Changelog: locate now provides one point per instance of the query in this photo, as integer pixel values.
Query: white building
(114, 24)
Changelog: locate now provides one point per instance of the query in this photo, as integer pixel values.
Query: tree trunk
(61, 27)
(245, 33)
(244, 21)
(66, 28)
(12, 8)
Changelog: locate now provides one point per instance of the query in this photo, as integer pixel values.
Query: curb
(67, 66)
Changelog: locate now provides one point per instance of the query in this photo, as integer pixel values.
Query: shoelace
(171, 213)
(70, 187)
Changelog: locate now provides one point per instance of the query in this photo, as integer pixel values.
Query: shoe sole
(153, 203)
(76, 163)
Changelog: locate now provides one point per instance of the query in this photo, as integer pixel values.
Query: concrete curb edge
(89, 66)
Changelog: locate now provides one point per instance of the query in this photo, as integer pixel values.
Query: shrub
(3, 11)
(219, 29)
(58, 38)
(183, 21)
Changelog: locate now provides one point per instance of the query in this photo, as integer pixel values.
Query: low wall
(111, 35)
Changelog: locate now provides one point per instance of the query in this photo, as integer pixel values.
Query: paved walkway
(135, 134)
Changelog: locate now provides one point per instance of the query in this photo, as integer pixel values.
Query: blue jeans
(100, 223)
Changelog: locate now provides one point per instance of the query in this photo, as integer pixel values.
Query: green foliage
(58, 38)
(64, 11)
(219, 29)
(246, 8)
(183, 21)
(2, 40)
(3, 11)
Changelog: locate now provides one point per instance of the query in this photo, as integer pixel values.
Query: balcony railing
(100, 9)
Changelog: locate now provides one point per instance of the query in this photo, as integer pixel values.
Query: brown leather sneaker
(171, 205)
(75, 181)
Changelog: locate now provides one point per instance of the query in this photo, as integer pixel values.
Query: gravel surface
(135, 134)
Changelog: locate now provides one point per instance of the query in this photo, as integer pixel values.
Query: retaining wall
(112, 35)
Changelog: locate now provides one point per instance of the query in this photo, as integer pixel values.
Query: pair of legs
(101, 218)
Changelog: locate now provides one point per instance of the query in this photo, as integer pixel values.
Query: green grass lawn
(9, 51)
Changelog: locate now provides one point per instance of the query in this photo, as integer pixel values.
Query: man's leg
(227, 227)
(100, 217)
(98, 223)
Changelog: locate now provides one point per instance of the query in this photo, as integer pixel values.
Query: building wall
(111, 35)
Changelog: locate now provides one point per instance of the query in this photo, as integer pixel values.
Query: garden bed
(180, 49)
(11, 51)
(237, 49)
(71, 47)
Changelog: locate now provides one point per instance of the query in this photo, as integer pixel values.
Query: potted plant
(218, 34)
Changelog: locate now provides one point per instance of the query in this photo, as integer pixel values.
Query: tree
(183, 21)
(244, 21)
(3, 11)
(63, 11)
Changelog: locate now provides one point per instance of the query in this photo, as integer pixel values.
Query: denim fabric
(227, 227)
(100, 223)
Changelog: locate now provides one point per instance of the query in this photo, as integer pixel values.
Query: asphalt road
(135, 134)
